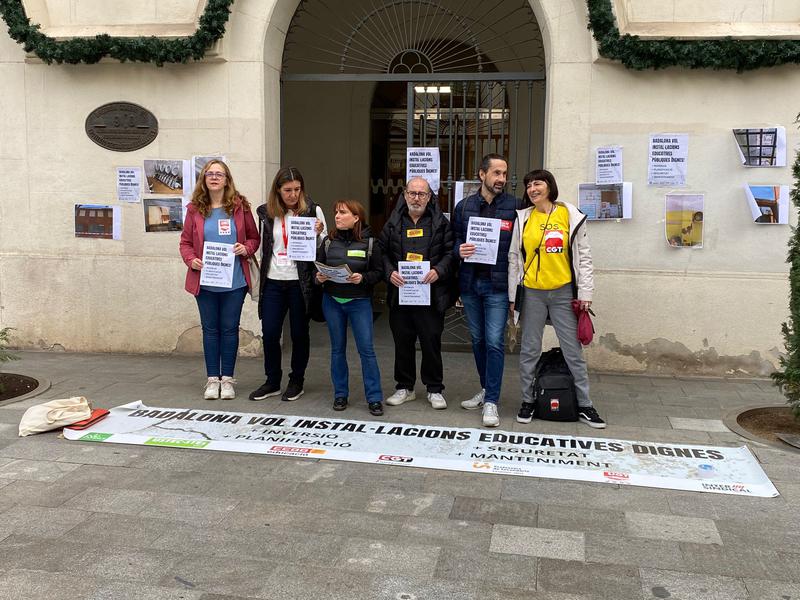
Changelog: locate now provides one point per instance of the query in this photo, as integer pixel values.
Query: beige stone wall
(716, 310)
(102, 295)
(709, 11)
(66, 18)
(709, 18)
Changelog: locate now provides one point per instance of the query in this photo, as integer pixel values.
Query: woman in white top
(286, 285)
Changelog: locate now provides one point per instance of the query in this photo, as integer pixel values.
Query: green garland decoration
(789, 379)
(726, 53)
(90, 50)
(630, 50)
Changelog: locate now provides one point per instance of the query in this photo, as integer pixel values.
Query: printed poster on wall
(606, 202)
(465, 189)
(423, 162)
(667, 159)
(129, 184)
(761, 146)
(608, 165)
(768, 203)
(684, 220)
(162, 214)
(99, 221)
(167, 177)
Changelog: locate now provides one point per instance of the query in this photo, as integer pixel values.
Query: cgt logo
(616, 476)
(394, 459)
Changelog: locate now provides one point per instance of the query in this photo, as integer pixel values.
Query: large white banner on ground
(698, 468)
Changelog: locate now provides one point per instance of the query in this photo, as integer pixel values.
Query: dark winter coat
(507, 206)
(437, 245)
(344, 250)
(305, 269)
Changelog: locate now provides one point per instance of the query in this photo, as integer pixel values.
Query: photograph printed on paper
(605, 202)
(162, 214)
(684, 220)
(164, 176)
(768, 203)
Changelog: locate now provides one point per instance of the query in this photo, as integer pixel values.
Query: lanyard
(285, 235)
(536, 253)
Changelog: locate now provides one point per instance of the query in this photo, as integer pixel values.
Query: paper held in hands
(336, 274)
(485, 235)
(302, 243)
(414, 292)
(217, 268)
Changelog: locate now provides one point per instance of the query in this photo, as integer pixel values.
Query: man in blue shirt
(484, 288)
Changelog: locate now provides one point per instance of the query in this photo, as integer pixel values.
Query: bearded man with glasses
(417, 230)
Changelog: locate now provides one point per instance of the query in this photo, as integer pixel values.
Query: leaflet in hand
(217, 268)
(336, 274)
(414, 292)
(485, 235)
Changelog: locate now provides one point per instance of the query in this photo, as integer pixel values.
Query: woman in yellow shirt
(551, 258)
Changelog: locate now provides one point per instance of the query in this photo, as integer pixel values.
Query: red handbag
(585, 325)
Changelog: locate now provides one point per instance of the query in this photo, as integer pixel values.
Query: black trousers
(277, 298)
(409, 323)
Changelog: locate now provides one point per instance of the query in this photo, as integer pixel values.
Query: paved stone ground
(82, 520)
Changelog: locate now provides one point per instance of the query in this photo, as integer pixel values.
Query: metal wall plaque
(121, 126)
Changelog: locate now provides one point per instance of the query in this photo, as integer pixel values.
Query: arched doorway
(366, 79)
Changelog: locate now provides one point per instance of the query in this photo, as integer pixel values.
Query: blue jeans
(219, 316)
(359, 312)
(487, 313)
(277, 298)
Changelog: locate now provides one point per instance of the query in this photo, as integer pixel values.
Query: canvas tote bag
(54, 415)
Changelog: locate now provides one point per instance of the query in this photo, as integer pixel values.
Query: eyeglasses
(215, 175)
(420, 195)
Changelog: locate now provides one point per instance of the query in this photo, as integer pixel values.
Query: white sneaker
(437, 401)
(475, 402)
(490, 418)
(212, 389)
(226, 388)
(400, 396)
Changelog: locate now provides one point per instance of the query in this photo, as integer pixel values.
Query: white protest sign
(302, 238)
(414, 292)
(694, 467)
(667, 159)
(423, 162)
(608, 165)
(129, 183)
(485, 235)
(217, 268)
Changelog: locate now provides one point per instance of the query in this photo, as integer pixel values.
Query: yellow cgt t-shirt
(549, 269)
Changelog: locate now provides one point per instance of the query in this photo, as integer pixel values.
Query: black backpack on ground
(554, 389)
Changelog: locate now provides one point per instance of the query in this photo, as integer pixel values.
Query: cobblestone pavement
(82, 520)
